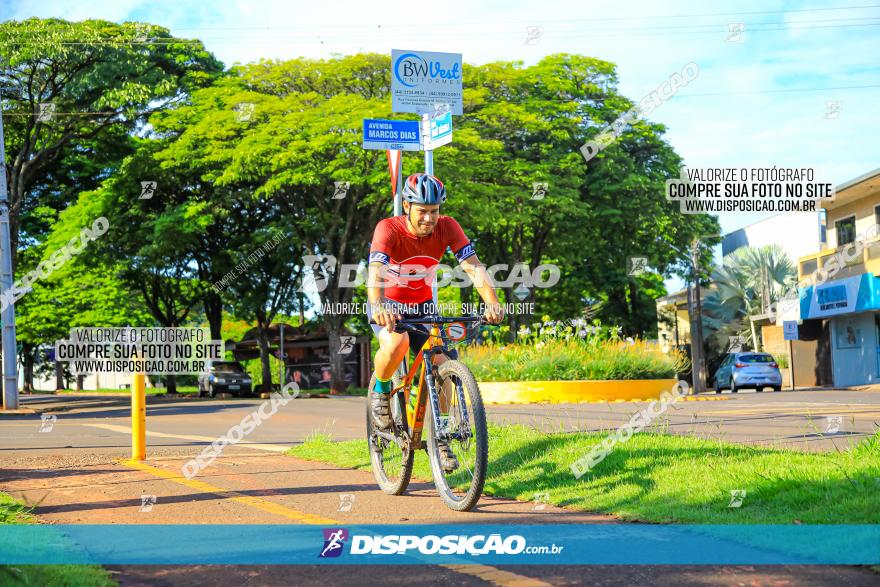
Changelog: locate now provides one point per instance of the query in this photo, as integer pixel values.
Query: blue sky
(740, 111)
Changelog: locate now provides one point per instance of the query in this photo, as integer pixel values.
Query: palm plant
(746, 285)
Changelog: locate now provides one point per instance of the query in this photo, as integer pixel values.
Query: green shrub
(572, 359)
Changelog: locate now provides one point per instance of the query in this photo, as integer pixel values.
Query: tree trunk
(214, 313)
(28, 367)
(171, 384)
(59, 376)
(337, 361)
(465, 295)
(633, 308)
(79, 382)
(755, 346)
(514, 320)
(264, 357)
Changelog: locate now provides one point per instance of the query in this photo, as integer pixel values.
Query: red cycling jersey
(412, 260)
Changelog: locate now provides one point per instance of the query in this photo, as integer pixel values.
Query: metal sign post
(790, 332)
(395, 162)
(429, 153)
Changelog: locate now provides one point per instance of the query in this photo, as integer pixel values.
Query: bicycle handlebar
(441, 319)
(407, 324)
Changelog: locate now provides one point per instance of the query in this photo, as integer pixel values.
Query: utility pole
(282, 356)
(697, 357)
(10, 375)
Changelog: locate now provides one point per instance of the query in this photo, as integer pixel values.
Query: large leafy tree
(71, 93)
(302, 134)
(525, 125)
(149, 244)
(82, 292)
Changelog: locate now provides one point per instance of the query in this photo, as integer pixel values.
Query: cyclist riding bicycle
(403, 257)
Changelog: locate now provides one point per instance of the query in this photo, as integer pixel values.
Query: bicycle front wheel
(392, 464)
(463, 432)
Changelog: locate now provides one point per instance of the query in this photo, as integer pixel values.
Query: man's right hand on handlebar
(385, 317)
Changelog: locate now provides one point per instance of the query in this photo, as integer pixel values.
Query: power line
(539, 21)
(408, 27)
(719, 30)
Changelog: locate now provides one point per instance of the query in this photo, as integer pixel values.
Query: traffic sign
(402, 135)
(438, 131)
(790, 330)
(456, 331)
(422, 80)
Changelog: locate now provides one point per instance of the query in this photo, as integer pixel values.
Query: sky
(761, 97)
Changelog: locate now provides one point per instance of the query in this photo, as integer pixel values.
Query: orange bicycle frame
(416, 419)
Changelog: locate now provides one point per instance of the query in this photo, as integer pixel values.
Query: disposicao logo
(451, 544)
(412, 65)
(334, 540)
(432, 544)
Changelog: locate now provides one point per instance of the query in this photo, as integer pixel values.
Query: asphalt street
(805, 420)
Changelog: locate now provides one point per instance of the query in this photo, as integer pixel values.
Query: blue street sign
(402, 135)
(790, 330)
(439, 131)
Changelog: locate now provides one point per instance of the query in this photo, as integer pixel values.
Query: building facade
(839, 288)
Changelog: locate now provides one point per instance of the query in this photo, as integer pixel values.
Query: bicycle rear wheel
(464, 431)
(391, 463)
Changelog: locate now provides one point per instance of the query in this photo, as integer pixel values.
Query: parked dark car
(224, 377)
(748, 369)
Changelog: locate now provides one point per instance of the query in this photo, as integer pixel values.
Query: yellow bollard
(139, 418)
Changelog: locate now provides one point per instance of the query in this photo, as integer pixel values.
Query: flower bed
(566, 360)
(572, 362)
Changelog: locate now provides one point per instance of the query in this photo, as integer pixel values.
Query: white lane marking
(255, 445)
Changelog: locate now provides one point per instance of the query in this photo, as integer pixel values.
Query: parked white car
(748, 369)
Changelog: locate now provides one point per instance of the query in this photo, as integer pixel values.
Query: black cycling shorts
(416, 339)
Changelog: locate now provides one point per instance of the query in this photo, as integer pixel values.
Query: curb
(613, 401)
(572, 392)
(18, 412)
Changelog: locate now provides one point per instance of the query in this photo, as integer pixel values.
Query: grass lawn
(664, 478)
(14, 512)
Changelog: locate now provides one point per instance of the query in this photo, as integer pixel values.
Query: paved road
(72, 473)
(803, 420)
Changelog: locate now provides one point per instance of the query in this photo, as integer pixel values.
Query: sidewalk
(259, 487)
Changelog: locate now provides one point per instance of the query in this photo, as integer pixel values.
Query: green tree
(302, 135)
(100, 78)
(525, 125)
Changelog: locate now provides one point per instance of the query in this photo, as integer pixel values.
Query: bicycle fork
(433, 393)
